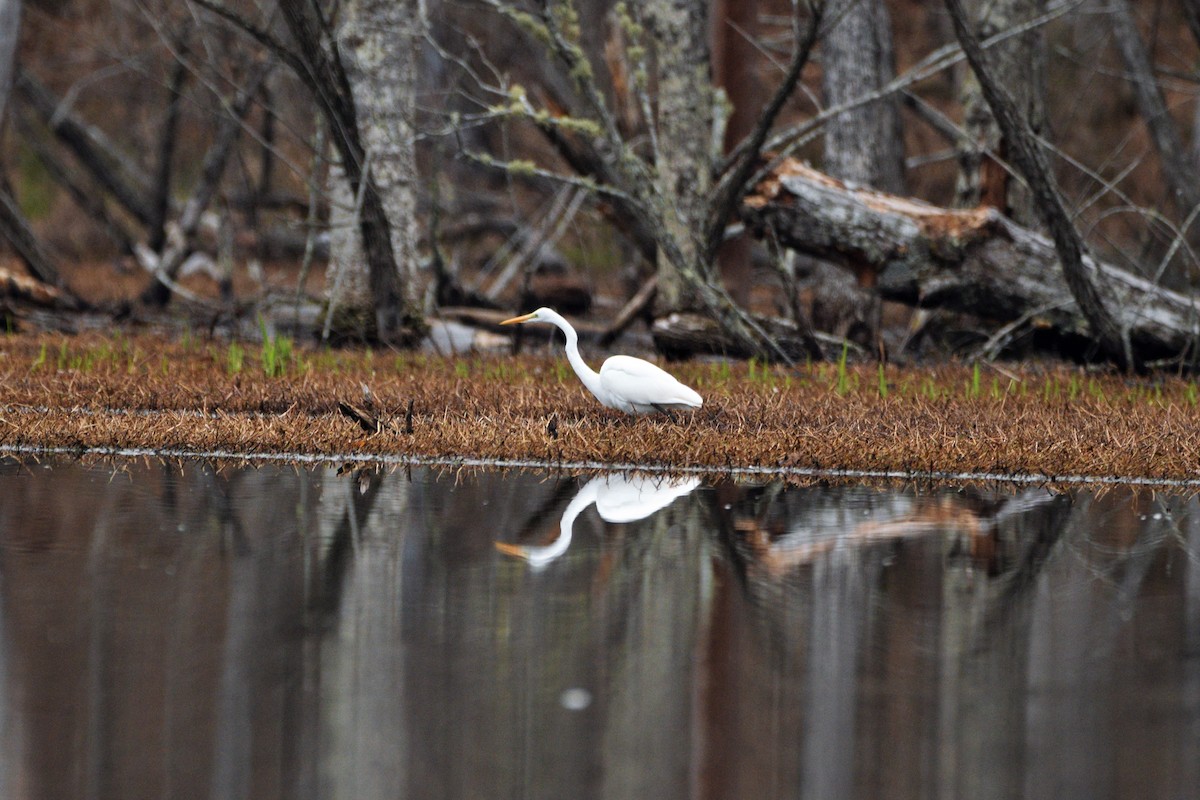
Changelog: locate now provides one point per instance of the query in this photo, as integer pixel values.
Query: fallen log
(974, 261)
(15, 230)
(22, 288)
(681, 335)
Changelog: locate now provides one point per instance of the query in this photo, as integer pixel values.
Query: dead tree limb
(736, 181)
(27, 290)
(636, 306)
(160, 205)
(1179, 171)
(172, 258)
(82, 192)
(1028, 158)
(110, 170)
(15, 229)
(975, 261)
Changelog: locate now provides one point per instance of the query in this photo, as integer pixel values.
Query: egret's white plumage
(625, 383)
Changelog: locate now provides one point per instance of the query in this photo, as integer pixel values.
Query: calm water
(171, 631)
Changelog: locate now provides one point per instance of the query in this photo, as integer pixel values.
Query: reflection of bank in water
(618, 498)
(773, 531)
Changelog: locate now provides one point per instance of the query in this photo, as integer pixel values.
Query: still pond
(172, 630)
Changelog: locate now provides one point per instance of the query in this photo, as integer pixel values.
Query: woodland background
(772, 178)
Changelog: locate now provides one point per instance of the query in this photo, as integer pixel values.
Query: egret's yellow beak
(515, 320)
(510, 549)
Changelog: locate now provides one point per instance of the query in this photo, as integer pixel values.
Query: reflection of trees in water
(850, 588)
(251, 630)
(971, 640)
(145, 626)
(902, 644)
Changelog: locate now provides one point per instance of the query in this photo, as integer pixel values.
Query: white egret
(618, 498)
(625, 383)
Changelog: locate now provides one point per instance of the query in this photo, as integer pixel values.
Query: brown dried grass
(143, 392)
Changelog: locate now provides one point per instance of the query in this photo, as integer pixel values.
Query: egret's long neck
(541, 556)
(586, 374)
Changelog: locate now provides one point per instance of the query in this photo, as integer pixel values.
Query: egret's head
(541, 315)
(537, 557)
(517, 551)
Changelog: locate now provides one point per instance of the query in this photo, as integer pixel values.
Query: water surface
(173, 630)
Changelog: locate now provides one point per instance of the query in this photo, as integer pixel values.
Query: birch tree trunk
(380, 41)
(321, 65)
(348, 280)
(864, 145)
(1019, 63)
(684, 142)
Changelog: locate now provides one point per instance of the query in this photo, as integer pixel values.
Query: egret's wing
(640, 382)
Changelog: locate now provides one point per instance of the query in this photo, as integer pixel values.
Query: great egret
(618, 498)
(625, 383)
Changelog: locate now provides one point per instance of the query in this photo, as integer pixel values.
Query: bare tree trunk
(1028, 158)
(684, 128)
(864, 145)
(347, 281)
(161, 203)
(1179, 169)
(173, 256)
(1019, 64)
(734, 57)
(10, 29)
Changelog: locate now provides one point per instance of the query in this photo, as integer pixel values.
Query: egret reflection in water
(618, 498)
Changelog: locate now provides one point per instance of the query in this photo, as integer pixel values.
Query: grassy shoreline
(137, 391)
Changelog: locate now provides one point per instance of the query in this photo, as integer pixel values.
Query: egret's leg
(666, 411)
